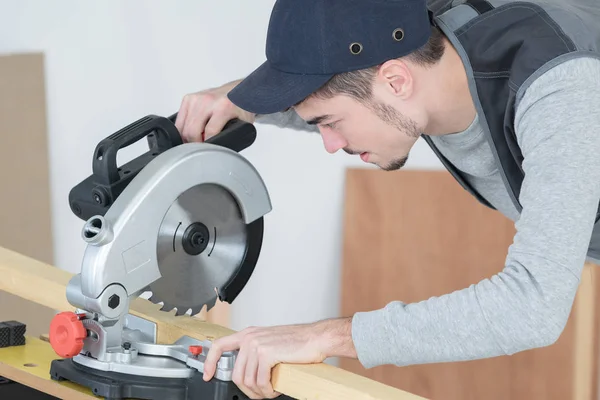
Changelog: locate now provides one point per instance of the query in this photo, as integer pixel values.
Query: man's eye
(330, 125)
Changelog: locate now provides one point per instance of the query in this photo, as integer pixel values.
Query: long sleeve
(527, 303)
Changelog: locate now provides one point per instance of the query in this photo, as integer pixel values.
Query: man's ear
(397, 78)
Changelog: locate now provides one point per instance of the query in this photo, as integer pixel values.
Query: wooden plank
(220, 314)
(584, 365)
(45, 285)
(25, 212)
(410, 235)
(30, 366)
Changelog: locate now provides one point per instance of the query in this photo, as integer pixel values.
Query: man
(507, 94)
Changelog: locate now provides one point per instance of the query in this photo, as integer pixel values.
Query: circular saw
(195, 210)
(182, 222)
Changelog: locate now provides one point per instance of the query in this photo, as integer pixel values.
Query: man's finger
(263, 379)
(194, 125)
(181, 114)
(216, 123)
(239, 372)
(227, 343)
(250, 370)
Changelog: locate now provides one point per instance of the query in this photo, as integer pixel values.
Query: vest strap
(481, 6)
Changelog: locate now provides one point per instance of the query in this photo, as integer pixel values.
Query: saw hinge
(144, 329)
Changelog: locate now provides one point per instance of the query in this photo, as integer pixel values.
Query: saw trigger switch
(67, 333)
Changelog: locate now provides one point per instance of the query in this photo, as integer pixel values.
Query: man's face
(376, 131)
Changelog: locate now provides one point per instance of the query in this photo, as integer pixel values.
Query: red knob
(195, 350)
(67, 333)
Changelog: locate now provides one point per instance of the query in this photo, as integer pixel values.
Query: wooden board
(25, 215)
(410, 235)
(220, 314)
(45, 285)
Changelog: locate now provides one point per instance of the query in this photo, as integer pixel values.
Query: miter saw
(182, 223)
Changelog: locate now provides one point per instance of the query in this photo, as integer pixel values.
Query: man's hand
(260, 349)
(204, 114)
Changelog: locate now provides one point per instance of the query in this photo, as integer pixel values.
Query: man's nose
(332, 140)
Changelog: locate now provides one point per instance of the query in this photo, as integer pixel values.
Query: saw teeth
(183, 310)
(196, 310)
(153, 298)
(211, 303)
(180, 311)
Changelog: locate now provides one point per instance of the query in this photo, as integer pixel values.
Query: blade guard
(122, 226)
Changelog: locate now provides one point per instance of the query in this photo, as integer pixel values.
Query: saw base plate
(117, 386)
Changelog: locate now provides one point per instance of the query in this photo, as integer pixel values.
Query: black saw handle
(236, 135)
(160, 133)
(95, 194)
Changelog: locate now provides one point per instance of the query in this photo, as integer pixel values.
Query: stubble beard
(407, 126)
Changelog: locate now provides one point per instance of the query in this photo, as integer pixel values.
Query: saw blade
(201, 245)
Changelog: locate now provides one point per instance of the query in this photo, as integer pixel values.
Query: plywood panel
(25, 214)
(410, 235)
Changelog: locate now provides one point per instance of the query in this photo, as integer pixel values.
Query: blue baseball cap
(309, 41)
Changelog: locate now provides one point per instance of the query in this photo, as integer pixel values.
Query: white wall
(111, 62)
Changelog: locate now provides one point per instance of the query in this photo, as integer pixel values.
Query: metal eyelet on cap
(356, 48)
(398, 34)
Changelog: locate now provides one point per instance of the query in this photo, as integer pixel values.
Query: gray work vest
(505, 45)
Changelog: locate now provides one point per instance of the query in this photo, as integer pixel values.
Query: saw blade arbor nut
(195, 238)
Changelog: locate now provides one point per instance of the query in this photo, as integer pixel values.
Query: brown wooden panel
(409, 235)
(25, 214)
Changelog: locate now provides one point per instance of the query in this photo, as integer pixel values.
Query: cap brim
(268, 90)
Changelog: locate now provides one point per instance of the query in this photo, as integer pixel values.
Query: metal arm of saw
(120, 259)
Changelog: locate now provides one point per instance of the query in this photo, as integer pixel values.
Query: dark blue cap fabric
(309, 41)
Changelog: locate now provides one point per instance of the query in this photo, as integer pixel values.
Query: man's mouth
(364, 156)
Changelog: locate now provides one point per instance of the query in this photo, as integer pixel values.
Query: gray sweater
(527, 303)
